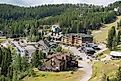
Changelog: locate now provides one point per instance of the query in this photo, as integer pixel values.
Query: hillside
(53, 42)
(101, 35)
(72, 18)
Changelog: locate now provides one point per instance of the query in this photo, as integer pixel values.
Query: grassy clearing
(52, 76)
(118, 48)
(100, 68)
(103, 54)
(101, 35)
(107, 52)
(2, 39)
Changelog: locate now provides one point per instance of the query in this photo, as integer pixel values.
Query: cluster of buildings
(54, 61)
(83, 40)
(71, 39)
(25, 48)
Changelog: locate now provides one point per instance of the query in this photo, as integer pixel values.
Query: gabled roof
(114, 53)
(58, 56)
(54, 61)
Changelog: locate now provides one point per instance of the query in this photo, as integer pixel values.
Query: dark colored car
(96, 48)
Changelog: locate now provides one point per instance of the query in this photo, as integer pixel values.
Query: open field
(53, 76)
(101, 68)
(101, 35)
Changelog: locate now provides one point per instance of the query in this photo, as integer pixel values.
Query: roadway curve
(87, 68)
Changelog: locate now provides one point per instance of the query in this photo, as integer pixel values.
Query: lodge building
(58, 62)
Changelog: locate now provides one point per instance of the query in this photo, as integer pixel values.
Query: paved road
(87, 68)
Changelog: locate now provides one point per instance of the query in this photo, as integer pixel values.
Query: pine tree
(6, 60)
(1, 55)
(111, 38)
(18, 62)
(119, 74)
(15, 77)
(118, 37)
(2, 78)
(114, 43)
(35, 59)
(24, 64)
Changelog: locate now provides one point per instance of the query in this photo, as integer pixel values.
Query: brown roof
(58, 56)
(54, 60)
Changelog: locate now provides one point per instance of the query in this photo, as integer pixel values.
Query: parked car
(96, 48)
(80, 58)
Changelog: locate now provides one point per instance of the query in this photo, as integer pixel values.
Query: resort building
(76, 39)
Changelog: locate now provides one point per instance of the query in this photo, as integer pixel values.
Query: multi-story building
(76, 39)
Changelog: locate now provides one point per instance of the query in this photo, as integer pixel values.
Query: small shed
(115, 55)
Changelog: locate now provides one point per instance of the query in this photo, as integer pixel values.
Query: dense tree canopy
(12, 67)
(37, 58)
(15, 20)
